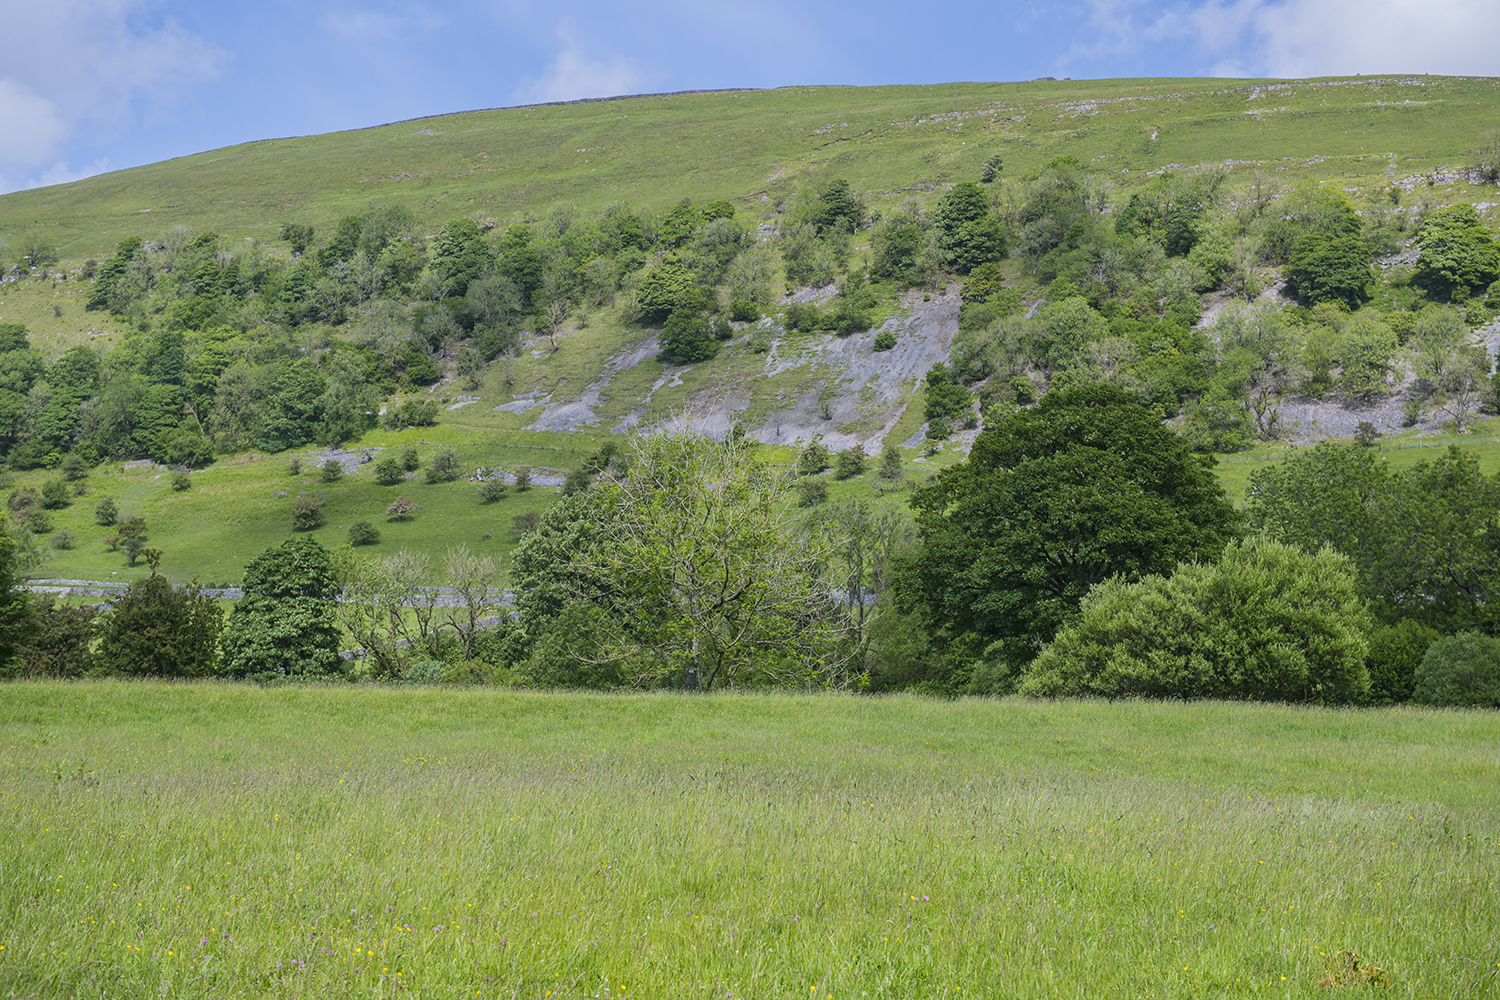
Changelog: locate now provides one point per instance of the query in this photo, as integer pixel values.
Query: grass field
(219, 841)
(889, 141)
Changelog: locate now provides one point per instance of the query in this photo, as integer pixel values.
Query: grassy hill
(748, 145)
(753, 147)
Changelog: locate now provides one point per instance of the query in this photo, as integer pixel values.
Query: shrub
(331, 471)
(492, 490)
(181, 482)
(1266, 622)
(58, 645)
(74, 467)
(524, 524)
(363, 533)
(63, 540)
(811, 492)
(444, 467)
(56, 494)
(813, 459)
(106, 513)
(523, 479)
(885, 340)
(39, 521)
(22, 499)
(1396, 652)
(1025, 390)
(388, 471)
(409, 460)
(850, 463)
(294, 467)
(743, 311)
(1461, 670)
(307, 512)
(890, 462)
(157, 630)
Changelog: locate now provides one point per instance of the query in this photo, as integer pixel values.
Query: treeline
(1081, 549)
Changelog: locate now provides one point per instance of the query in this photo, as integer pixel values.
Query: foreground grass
(196, 841)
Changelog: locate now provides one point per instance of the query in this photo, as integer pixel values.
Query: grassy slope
(218, 841)
(657, 150)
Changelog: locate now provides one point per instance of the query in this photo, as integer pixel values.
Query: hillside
(748, 145)
(578, 353)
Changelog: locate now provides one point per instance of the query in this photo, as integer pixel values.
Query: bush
(409, 460)
(58, 645)
(39, 521)
(1396, 652)
(388, 471)
(294, 467)
(444, 467)
(1267, 622)
(524, 524)
(811, 492)
(181, 482)
(1461, 670)
(885, 340)
(307, 512)
(363, 533)
(331, 471)
(523, 479)
(56, 494)
(492, 490)
(743, 311)
(813, 459)
(850, 463)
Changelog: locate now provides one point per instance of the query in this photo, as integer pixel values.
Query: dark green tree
(16, 622)
(686, 338)
(1053, 500)
(1330, 269)
(286, 625)
(157, 630)
(388, 471)
(460, 255)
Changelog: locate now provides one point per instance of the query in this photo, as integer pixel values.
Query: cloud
(1326, 37)
(31, 127)
(1294, 38)
(67, 63)
(572, 75)
(363, 26)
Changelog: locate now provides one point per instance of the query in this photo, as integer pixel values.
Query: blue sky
(88, 86)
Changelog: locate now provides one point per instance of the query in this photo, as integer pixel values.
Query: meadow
(211, 840)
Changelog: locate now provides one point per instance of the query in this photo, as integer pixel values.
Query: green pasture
(750, 145)
(219, 841)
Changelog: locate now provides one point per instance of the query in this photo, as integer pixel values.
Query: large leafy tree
(1052, 501)
(1425, 541)
(1267, 622)
(1330, 269)
(1458, 254)
(286, 625)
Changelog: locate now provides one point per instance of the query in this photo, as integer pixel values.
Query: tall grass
(218, 841)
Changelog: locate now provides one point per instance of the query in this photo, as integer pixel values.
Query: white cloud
(1326, 37)
(70, 62)
(572, 75)
(31, 126)
(364, 26)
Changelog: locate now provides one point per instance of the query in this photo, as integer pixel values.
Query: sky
(89, 86)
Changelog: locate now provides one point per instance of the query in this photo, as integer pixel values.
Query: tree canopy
(1052, 501)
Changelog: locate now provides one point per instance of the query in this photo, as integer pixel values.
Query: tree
(667, 288)
(157, 630)
(331, 471)
(1266, 622)
(388, 471)
(1424, 541)
(59, 641)
(298, 235)
(1053, 500)
(1461, 669)
(363, 533)
(1330, 269)
(16, 622)
(444, 467)
(492, 490)
(286, 625)
(687, 338)
(400, 509)
(698, 567)
(1457, 255)
(850, 462)
(891, 466)
(307, 512)
(813, 459)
